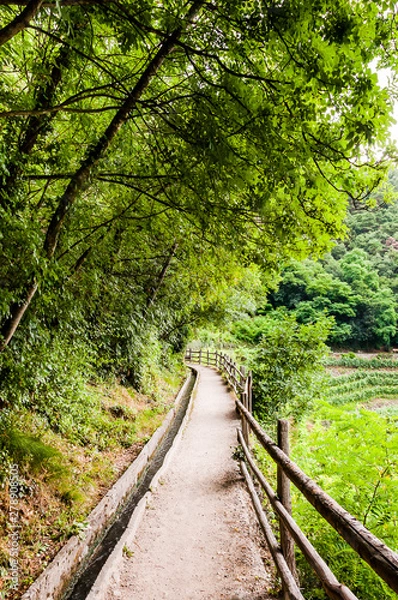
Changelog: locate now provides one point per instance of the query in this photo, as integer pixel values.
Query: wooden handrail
(332, 586)
(377, 554)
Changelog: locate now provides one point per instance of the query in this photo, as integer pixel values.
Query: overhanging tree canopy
(241, 124)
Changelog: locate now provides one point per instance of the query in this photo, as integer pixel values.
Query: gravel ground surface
(199, 537)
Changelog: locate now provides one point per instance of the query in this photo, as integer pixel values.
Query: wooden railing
(237, 377)
(379, 556)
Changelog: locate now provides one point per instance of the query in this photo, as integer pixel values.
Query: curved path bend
(198, 538)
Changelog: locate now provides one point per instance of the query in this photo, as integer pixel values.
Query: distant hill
(356, 284)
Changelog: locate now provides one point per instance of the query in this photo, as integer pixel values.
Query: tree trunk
(35, 126)
(17, 312)
(162, 275)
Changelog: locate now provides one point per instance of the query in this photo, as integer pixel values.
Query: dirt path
(196, 537)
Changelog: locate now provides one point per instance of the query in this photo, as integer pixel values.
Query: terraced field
(365, 387)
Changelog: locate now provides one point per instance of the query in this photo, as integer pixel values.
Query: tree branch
(82, 54)
(20, 22)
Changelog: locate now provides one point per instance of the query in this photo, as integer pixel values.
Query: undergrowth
(348, 444)
(353, 454)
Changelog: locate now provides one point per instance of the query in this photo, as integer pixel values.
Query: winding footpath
(198, 538)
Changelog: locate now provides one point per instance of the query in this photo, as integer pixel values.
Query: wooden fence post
(243, 396)
(200, 356)
(208, 357)
(283, 490)
(242, 375)
(245, 424)
(249, 386)
(250, 392)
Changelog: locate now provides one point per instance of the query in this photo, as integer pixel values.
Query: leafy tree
(150, 151)
(350, 290)
(218, 116)
(285, 365)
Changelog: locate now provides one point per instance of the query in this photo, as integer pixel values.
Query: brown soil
(337, 371)
(381, 403)
(43, 533)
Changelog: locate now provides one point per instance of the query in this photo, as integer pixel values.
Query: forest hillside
(163, 165)
(355, 285)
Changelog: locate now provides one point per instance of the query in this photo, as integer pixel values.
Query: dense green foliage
(150, 151)
(356, 284)
(286, 361)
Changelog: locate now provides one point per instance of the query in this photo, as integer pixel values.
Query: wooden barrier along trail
(380, 557)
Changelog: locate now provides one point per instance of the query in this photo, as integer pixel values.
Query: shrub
(353, 455)
(287, 365)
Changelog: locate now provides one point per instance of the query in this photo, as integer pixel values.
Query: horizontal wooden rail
(379, 556)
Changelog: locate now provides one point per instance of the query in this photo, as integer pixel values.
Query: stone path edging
(110, 571)
(55, 578)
